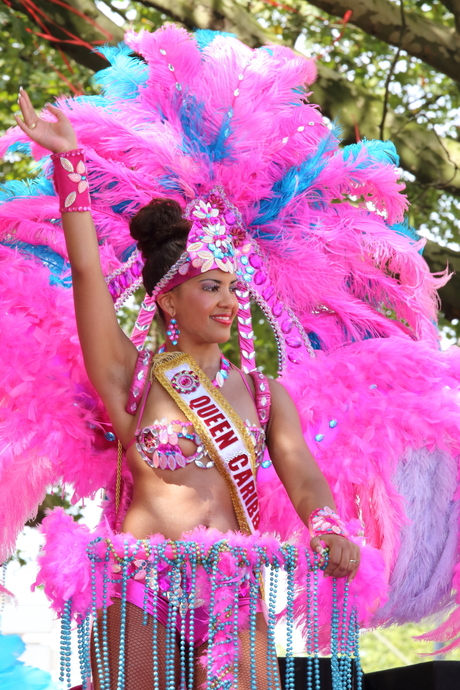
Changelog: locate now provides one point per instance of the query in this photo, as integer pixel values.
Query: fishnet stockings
(138, 649)
(139, 658)
(244, 667)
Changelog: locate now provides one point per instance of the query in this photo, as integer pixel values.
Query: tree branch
(392, 70)
(219, 15)
(438, 258)
(433, 43)
(454, 7)
(433, 160)
(92, 30)
(116, 10)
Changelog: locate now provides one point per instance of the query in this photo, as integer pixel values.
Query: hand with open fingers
(344, 555)
(56, 136)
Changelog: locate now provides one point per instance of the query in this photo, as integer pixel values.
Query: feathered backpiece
(333, 265)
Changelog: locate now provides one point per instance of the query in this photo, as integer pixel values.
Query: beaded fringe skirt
(187, 585)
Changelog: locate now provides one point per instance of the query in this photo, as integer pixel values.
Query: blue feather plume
(407, 230)
(58, 267)
(38, 186)
(294, 183)
(381, 151)
(205, 36)
(20, 147)
(125, 76)
(196, 131)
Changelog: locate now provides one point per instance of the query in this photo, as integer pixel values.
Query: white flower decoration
(204, 210)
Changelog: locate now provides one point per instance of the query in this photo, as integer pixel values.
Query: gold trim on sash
(163, 362)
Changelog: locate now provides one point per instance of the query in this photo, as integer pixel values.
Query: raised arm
(108, 353)
(303, 480)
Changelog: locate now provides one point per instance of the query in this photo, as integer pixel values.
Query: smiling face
(204, 307)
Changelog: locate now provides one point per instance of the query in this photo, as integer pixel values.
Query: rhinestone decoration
(257, 436)
(222, 374)
(185, 381)
(326, 521)
(159, 446)
(210, 244)
(217, 232)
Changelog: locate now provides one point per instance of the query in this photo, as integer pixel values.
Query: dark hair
(161, 235)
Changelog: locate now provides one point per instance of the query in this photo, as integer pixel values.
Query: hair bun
(160, 231)
(158, 222)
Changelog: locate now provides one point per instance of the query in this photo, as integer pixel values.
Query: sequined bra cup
(158, 443)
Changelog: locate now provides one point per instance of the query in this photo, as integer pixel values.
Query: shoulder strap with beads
(263, 397)
(139, 378)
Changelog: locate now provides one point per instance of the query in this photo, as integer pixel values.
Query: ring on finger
(33, 125)
(352, 560)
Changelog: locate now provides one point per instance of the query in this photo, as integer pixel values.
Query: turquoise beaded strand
(345, 662)
(153, 572)
(354, 627)
(66, 651)
(335, 669)
(274, 577)
(309, 649)
(148, 569)
(290, 563)
(183, 607)
(97, 647)
(235, 619)
(170, 651)
(253, 598)
(315, 623)
(105, 642)
(124, 586)
(83, 651)
(87, 660)
(210, 681)
(191, 603)
(272, 661)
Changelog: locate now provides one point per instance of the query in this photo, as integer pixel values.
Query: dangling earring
(173, 332)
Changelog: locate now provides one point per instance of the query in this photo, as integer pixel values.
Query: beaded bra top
(158, 443)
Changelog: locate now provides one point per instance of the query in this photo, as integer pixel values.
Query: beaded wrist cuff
(70, 181)
(325, 521)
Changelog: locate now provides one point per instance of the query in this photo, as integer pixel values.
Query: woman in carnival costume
(234, 189)
(182, 425)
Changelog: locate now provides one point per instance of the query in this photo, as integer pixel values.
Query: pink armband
(325, 521)
(70, 181)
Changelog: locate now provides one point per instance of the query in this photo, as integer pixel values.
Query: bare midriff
(173, 502)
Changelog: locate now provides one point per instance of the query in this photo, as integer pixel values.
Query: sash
(222, 431)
